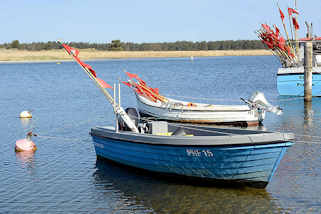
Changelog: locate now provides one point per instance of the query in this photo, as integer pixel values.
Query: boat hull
(290, 81)
(250, 164)
(215, 114)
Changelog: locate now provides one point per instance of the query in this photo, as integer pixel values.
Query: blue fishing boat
(292, 56)
(290, 80)
(201, 152)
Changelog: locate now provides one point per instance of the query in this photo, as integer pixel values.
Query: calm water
(63, 175)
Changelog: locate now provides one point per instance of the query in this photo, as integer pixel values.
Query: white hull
(179, 111)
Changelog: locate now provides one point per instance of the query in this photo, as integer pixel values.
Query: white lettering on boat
(199, 153)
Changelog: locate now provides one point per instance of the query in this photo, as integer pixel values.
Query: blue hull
(293, 84)
(250, 164)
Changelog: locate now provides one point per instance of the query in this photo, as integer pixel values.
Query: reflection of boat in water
(140, 191)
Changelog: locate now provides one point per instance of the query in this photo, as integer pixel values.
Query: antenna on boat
(119, 111)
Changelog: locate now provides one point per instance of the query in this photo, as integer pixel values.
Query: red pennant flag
(75, 52)
(71, 51)
(155, 90)
(89, 68)
(282, 43)
(277, 31)
(103, 83)
(67, 48)
(295, 23)
(139, 90)
(281, 14)
(127, 83)
(131, 76)
(291, 11)
(267, 28)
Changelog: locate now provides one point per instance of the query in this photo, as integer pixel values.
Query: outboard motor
(259, 102)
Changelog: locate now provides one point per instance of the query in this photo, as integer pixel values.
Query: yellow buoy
(25, 114)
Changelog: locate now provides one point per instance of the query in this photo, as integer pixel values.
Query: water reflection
(26, 159)
(308, 116)
(26, 123)
(170, 195)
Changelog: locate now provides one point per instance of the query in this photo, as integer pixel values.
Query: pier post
(308, 52)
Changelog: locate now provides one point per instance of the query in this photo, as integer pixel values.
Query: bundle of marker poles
(119, 111)
(285, 49)
(141, 88)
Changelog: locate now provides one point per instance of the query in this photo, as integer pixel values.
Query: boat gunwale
(196, 109)
(202, 141)
(296, 73)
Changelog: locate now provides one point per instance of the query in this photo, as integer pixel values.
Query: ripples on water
(63, 175)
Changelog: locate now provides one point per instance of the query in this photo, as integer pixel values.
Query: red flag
(281, 14)
(103, 83)
(291, 11)
(155, 90)
(88, 67)
(126, 83)
(295, 23)
(70, 50)
(282, 43)
(277, 31)
(267, 28)
(131, 76)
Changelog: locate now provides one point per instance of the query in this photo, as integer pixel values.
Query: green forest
(117, 45)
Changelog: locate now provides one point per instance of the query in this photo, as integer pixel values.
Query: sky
(100, 21)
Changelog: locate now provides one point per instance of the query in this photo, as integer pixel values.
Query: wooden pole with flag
(297, 46)
(282, 18)
(100, 84)
(290, 20)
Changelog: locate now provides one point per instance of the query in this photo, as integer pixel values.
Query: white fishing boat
(151, 104)
(182, 111)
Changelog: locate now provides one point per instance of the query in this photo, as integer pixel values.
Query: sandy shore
(12, 55)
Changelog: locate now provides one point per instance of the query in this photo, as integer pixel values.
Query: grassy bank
(11, 55)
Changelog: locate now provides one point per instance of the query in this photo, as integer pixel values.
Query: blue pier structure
(214, 158)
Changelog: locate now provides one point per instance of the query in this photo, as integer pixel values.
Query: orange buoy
(26, 145)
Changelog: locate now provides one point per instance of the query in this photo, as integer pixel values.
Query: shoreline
(14, 55)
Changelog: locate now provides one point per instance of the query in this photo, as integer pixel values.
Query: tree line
(117, 45)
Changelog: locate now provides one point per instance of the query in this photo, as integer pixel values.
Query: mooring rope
(60, 137)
